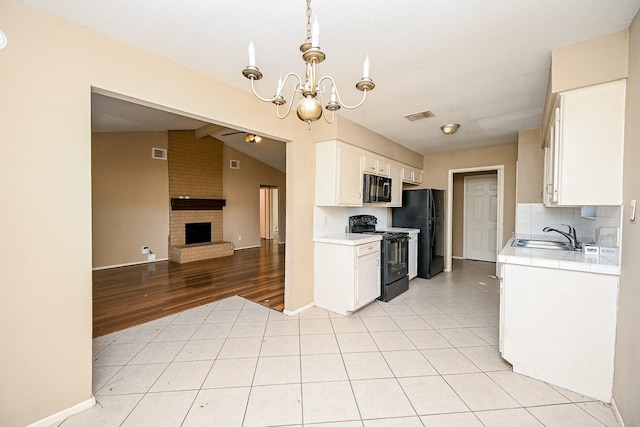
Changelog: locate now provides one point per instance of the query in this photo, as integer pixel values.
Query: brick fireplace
(195, 189)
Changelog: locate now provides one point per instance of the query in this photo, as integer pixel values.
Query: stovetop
(367, 224)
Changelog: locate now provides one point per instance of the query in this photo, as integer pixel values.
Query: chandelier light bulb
(252, 54)
(309, 109)
(315, 32)
(365, 67)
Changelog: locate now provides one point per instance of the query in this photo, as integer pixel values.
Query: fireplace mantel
(197, 204)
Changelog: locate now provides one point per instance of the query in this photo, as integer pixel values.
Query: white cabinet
(375, 166)
(559, 326)
(584, 150)
(395, 173)
(346, 277)
(411, 175)
(413, 255)
(338, 174)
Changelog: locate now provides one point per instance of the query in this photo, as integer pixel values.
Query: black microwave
(377, 189)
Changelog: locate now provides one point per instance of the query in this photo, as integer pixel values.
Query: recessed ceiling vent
(419, 115)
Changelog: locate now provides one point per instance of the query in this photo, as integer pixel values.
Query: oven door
(395, 256)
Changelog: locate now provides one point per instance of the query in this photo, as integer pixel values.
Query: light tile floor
(427, 358)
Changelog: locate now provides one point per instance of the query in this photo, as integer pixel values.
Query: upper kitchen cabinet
(338, 174)
(411, 176)
(376, 166)
(584, 147)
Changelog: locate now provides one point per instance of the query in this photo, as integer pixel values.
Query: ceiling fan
(251, 138)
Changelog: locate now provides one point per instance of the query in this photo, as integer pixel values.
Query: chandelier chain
(308, 20)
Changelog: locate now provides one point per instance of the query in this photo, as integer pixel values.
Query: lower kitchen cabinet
(413, 255)
(346, 277)
(559, 326)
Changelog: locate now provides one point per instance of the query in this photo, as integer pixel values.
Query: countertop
(352, 239)
(563, 260)
(400, 229)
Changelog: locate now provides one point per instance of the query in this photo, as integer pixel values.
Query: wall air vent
(159, 153)
(234, 164)
(419, 115)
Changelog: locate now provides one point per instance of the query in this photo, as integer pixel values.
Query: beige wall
(48, 70)
(530, 166)
(242, 193)
(590, 62)
(352, 133)
(457, 216)
(626, 386)
(130, 197)
(437, 166)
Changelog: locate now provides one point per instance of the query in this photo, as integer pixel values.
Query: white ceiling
(483, 64)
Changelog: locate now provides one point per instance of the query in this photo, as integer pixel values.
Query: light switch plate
(632, 215)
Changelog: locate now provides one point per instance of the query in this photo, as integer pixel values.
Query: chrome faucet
(571, 236)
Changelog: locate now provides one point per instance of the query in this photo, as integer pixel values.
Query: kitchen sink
(540, 244)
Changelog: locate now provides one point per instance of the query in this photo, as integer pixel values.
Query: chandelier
(309, 107)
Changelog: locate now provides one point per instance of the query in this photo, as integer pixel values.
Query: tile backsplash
(604, 230)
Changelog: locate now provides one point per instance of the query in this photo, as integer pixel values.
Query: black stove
(394, 253)
(367, 224)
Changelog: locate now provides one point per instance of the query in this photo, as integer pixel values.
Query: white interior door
(480, 217)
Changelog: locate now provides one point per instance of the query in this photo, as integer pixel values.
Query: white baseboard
(128, 264)
(62, 415)
(617, 413)
(300, 310)
(457, 257)
(246, 247)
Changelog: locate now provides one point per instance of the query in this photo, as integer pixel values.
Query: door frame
(449, 226)
(464, 217)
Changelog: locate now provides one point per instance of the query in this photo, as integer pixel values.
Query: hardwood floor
(127, 296)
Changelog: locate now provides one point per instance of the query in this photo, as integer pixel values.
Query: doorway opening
(458, 192)
(117, 193)
(269, 213)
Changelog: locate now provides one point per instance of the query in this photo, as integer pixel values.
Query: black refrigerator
(424, 209)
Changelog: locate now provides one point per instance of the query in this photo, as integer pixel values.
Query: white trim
(106, 267)
(246, 247)
(62, 415)
(457, 257)
(449, 227)
(300, 310)
(617, 413)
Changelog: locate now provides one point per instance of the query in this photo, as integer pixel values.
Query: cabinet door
(382, 168)
(370, 165)
(349, 177)
(590, 145)
(395, 173)
(552, 161)
(367, 279)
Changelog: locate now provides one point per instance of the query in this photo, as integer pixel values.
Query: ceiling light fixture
(450, 128)
(252, 139)
(309, 108)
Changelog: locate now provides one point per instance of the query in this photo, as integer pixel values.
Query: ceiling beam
(208, 130)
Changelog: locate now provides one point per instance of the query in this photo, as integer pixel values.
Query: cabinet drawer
(369, 248)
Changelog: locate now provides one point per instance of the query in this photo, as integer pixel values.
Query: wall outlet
(145, 249)
(239, 237)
